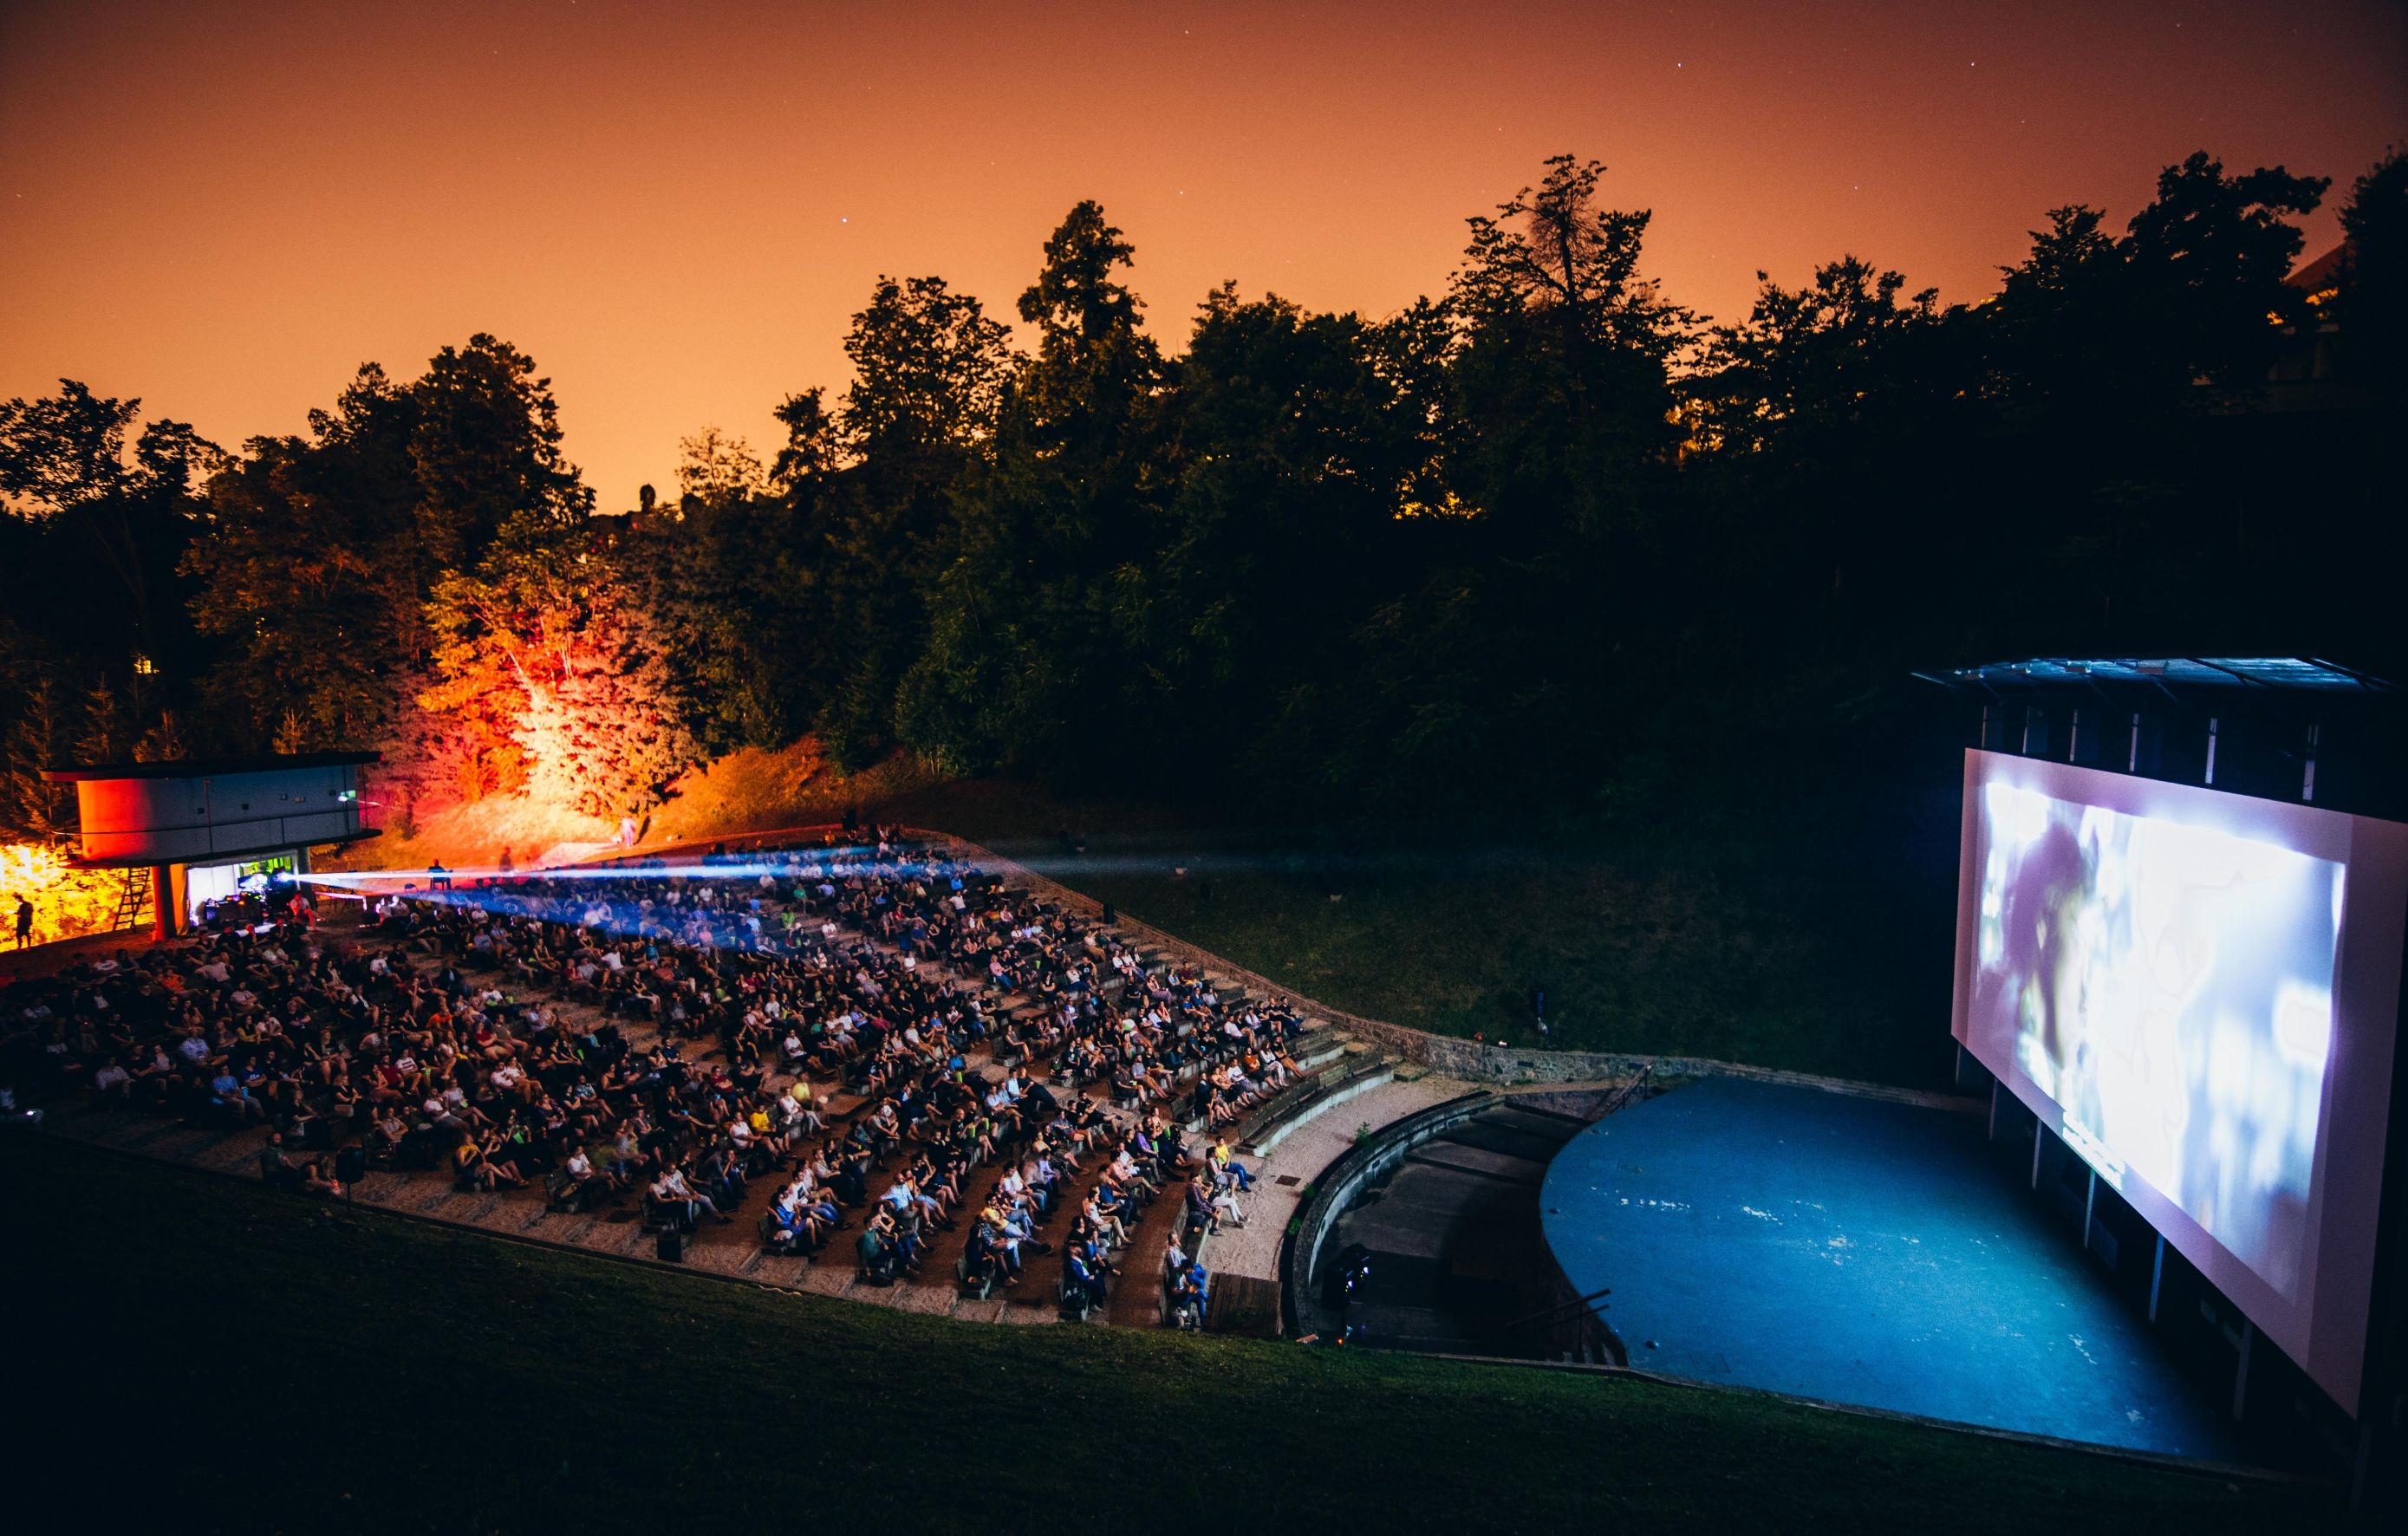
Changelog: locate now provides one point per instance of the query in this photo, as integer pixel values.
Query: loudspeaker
(671, 1246)
(350, 1165)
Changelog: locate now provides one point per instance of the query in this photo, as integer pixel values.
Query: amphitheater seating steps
(1331, 1057)
(1310, 1092)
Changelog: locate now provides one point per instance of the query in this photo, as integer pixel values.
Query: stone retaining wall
(1335, 1190)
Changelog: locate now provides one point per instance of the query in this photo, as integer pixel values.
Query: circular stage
(1859, 1251)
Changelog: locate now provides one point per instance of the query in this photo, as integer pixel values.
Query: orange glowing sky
(225, 209)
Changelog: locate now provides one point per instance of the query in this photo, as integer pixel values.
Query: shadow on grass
(197, 1354)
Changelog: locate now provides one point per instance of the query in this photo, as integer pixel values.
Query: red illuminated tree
(549, 680)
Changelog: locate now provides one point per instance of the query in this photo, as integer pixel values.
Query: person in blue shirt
(1081, 1287)
(1188, 1296)
(227, 1093)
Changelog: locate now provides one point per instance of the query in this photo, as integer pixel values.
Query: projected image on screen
(2170, 986)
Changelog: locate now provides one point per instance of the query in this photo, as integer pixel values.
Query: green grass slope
(196, 1353)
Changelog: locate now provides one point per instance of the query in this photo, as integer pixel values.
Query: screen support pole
(1993, 1133)
(2157, 1279)
(2089, 1205)
(2038, 1131)
(2240, 1371)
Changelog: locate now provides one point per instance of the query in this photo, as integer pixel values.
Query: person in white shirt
(580, 1171)
(1104, 1221)
(671, 1188)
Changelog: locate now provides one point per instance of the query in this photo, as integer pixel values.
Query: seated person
(1188, 1296)
(275, 1167)
(1227, 1167)
(674, 1193)
(318, 1179)
(1082, 1284)
(877, 1257)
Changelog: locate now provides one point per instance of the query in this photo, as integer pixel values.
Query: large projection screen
(2198, 991)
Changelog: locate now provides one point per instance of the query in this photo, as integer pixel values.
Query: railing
(1569, 1326)
(1336, 1189)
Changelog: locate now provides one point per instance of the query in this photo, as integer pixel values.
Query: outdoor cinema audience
(551, 1029)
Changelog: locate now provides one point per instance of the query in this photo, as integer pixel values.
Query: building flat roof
(225, 855)
(209, 767)
(2170, 675)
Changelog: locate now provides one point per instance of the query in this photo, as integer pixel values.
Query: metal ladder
(133, 902)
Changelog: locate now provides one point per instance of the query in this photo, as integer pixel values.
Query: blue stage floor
(1862, 1252)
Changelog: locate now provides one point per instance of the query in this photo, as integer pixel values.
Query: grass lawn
(194, 1352)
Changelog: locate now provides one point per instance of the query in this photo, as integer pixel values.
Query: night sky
(225, 209)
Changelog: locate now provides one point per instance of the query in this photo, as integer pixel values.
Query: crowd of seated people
(438, 1040)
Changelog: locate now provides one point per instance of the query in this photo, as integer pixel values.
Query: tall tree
(810, 449)
(928, 372)
(2372, 305)
(309, 574)
(1811, 361)
(2209, 256)
(2055, 331)
(1563, 380)
(1554, 252)
(1019, 659)
(1822, 424)
(1094, 361)
(1289, 457)
(324, 553)
(485, 449)
(715, 592)
(64, 464)
(103, 738)
(549, 687)
(32, 808)
(718, 468)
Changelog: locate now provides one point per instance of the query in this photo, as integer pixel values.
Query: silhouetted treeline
(1543, 539)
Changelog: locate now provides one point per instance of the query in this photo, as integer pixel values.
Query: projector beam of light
(618, 919)
(1069, 868)
(501, 891)
(749, 870)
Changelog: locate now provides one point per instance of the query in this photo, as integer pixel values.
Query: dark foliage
(1545, 541)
